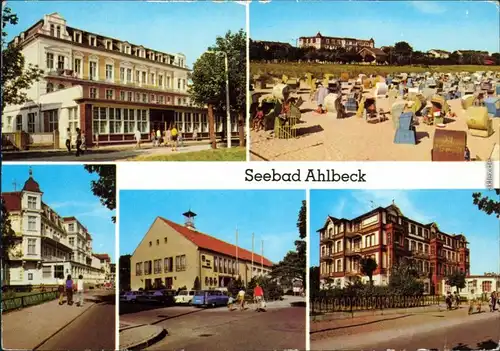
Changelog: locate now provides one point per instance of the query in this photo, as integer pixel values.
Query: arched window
(60, 86)
(58, 31)
(52, 30)
(50, 87)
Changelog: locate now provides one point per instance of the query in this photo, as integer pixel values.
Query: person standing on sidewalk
(137, 139)
(79, 290)
(68, 139)
(174, 133)
(241, 299)
(69, 290)
(78, 142)
(258, 295)
(60, 288)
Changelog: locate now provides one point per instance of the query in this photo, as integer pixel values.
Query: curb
(143, 344)
(60, 329)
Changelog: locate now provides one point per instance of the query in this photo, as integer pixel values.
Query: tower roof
(31, 184)
(189, 214)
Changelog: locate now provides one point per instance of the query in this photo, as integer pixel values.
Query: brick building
(388, 236)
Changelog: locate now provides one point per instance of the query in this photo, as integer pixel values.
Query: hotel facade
(331, 43)
(177, 256)
(108, 88)
(389, 237)
(48, 245)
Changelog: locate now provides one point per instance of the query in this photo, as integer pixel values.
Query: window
(60, 62)
(216, 262)
(31, 246)
(180, 263)
(168, 82)
(51, 116)
(138, 268)
(128, 121)
(157, 241)
(178, 84)
(78, 65)
(152, 81)
(58, 31)
(78, 37)
(130, 96)
(47, 272)
(99, 119)
(52, 30)
(168, 263)
(160, 81)
(157, 266)
(109, 94)
(161, 99)
(50, 87)
(144, 78)
(109, 72)
(115, 120)
(122, 95)
(93, 41)
(31, 122)
(142, 121)
(32, 202)
(150, 243)
(137, 76)
(144, 97)
(165, 239)
(93, 93)
(147, 267)
(137, 97)
(19, 123)
(109, 45)
(50, 60)
(153, 98)
(93, 70)
(122, 74)
(72, 241)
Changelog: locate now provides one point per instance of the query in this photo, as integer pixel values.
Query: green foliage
(234, 286)
(197, 284)
(124, 274)
(314, 279)
(456, 280)
(368, 266)
(272, 290)
(16, 77)
(487, 205)
(404, 280)
(232, 154)
(9, 238)
(105, 187)
(302, 220)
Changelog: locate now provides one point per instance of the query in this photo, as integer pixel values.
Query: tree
(9, 240)
(314, 280)
(487, 205)
(272, 291)
(209, 80)
(403, 52)
(16, 77)
(105, 187)
(124, 275)
(404, 280)
(234, 286)
(457, 280)
(368, 266)
(197, 284)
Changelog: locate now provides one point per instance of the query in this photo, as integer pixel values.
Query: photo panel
(101, 88)
(58, 257)
(404, 270)
(199, 267)
(391, 87)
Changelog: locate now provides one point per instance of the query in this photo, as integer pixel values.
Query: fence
(321, 305)
(14, 303)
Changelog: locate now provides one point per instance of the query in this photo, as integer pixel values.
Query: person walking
(78, 142)
(258, 294)
(181, 139)
(137, 136)
(158, 137)
(79, 290)
(68, 139)
(60, 288)
(153, 137)
(83, 146)
(175, 134)
(69, 290)
(241, 299)
(195, 133)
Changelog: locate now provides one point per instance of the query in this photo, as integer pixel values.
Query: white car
(184, 297)
(130, 296)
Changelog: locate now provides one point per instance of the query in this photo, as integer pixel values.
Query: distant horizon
(474, 24)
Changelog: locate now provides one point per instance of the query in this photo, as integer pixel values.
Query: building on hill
(389, 237)
(107, 87)
(175, 256)
(47, 245)
(331, 43)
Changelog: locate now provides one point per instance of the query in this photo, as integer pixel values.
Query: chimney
(189, 219)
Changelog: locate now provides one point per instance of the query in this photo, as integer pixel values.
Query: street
(477, 332)
(93, 330)
(193, 329)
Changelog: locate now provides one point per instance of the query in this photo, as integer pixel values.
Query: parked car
(206, 298)
(184, 297)
(164, 297)
(130, 296)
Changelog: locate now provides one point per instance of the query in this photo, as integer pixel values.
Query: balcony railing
(419, 254)
(353, 251)
(53, 258)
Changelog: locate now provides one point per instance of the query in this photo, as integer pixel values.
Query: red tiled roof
(31, 185)
(69, 219)
(12, 201)
(102, 257)
(208, 242)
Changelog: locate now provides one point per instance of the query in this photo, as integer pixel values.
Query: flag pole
(253, 239)
(262, 258)
(237, 264)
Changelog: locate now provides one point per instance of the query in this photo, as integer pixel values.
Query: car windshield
(183, 293)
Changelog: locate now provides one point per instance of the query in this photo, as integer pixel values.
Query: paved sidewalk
(134, 336)
(29, 327)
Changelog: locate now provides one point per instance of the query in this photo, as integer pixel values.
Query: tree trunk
(241, 128)
(211, 126)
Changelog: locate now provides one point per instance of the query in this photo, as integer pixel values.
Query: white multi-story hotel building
(108, 88)
(47, 244)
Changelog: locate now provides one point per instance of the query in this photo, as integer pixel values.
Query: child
(230, 303)
(259, 119)
(79, 290)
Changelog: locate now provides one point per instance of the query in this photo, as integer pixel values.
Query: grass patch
(223, 154)
(298, 70)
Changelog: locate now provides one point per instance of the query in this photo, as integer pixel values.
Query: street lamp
(228, 112)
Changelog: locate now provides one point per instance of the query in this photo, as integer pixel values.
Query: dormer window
(142, 53)
(128, 49)
(52, 30)
(78, 37)
(58, 31)
(92, 41)
(109, 44)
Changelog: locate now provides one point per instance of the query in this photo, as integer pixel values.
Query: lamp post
(228, 112)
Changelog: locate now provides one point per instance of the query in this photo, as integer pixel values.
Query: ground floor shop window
(99, 120)
(143, 121)
(73, 121)
(128, 121)
(58, 271)
(46, 272)
(115, 120)
(19, 123)
(31, 122)
(52, 118)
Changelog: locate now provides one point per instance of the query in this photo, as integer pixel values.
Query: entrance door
(168, 282)
(147, 284)
(161, 119)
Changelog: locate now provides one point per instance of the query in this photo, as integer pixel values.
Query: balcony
(326, 256)
(353, 233)
(53, 258)
(420, 254)
(356, 251)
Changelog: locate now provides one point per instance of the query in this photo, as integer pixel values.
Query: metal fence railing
(9, 304)
(320, 305)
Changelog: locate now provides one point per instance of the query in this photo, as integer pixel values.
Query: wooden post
(211, 126)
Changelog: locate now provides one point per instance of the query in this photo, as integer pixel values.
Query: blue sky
(446, 25)
(452, 210)
(271, 215)
(66, 189)
(187, 28)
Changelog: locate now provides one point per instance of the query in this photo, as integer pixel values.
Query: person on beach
(321, 93)
(60, 288)
(79, 290)
(69, 290)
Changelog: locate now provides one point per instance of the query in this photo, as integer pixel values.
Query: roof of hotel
(102, 257)
(208, 242)
(12, 201)
(31, 185)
